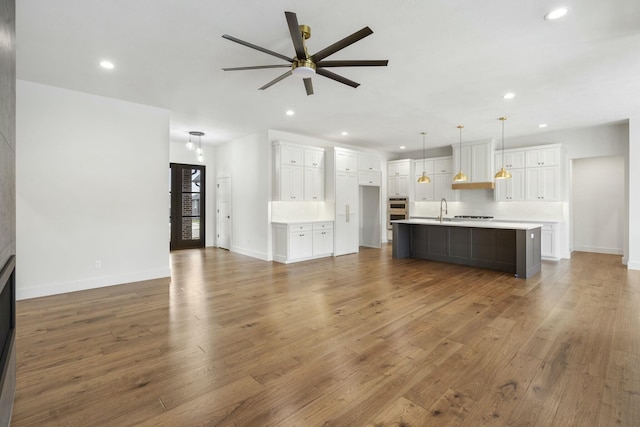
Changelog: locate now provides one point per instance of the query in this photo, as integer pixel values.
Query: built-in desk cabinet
(298, 172)
(302, 241)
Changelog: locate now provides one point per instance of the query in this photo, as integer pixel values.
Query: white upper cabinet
(543, 183)
(399, 168)
(511, 189)
(346, 161)
(293, 155)
(313, 184)
(314, 158)
(368, 163)
(475, 160)
(512, 159)
(543, 157)
(298, 172)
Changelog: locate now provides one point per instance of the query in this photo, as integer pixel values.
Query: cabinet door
(548, 241)
(346, 234)
(481, 156)
(347, 193)
(443, 166)
(323, 242)
(543, 184)
(372, 178)
(291, 182)
(549, 187)
(314, 158)
(516, 184)
(543, 157)
(300, 244)
(442, 186)
(398, 186)
(313, 184)
(368, 163)
(291, 155)
(511, 189)
(346, 161)
(399, 168)
(424, 191)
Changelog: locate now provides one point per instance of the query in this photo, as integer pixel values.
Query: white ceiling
(450, 62)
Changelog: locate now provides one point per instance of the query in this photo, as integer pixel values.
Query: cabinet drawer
(322, 225)
(300, 227)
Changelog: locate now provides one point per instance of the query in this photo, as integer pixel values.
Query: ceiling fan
(305, 65)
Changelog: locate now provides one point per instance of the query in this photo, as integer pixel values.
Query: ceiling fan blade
(308, 85)
(296, 36)
(349, 40)
(276, 80)
(257, 67)
(356, 63)
(334, 76)
(253, 46)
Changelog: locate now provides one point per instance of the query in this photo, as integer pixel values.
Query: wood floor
(358, 340)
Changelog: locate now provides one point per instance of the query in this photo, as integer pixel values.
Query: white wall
(248, 162)
(633, 195)
(178, 153)
(598, 204)
(91, 185)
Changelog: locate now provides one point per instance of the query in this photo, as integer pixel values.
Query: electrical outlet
(98, 263)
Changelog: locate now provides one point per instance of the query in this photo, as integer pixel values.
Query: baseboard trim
(248, 252)
(163, 274)
(599, 250)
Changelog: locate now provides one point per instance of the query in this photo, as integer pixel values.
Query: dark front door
(187, 206)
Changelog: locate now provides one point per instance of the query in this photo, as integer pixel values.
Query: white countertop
(309, 221)
(475, 224)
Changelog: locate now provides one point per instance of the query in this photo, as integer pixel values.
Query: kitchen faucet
(446, 207)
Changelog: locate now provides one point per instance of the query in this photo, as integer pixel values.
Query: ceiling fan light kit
(306, 66)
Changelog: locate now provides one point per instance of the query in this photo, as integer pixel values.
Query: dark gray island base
(512, 248)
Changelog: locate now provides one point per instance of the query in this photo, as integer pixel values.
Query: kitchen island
(503, 246)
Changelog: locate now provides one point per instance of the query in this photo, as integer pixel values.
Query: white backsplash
(302, 211)
(507, 211)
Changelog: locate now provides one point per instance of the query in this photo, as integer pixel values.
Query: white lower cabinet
(549, 242)
(302, 241)
(322, 239)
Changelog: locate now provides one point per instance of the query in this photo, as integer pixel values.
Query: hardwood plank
(356, 340)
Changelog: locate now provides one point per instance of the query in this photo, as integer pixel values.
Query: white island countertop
(475, 224)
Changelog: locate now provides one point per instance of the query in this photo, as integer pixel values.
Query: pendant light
(199, 148)
(190, 146)
(502, 173)
(424, 179)
(460, 176)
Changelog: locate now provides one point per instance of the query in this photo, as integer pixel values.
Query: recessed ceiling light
(290, 113)
(107, 64)
(509, 95)
(345, 133)
(542, 125)
(556, 13)
(402, 147)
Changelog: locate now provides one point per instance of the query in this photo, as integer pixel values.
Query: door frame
(218, 217)
(176, 207)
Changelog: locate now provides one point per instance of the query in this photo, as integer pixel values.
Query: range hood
(489, 185)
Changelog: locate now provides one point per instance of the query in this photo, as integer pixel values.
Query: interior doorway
(597, 204)
(187, 206)
(223, 222)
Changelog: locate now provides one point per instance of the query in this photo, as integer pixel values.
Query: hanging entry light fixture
(502, 173)
(199, 147)
(460, 176)
(424, 179)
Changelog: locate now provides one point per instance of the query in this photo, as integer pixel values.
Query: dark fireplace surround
(7, 340)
